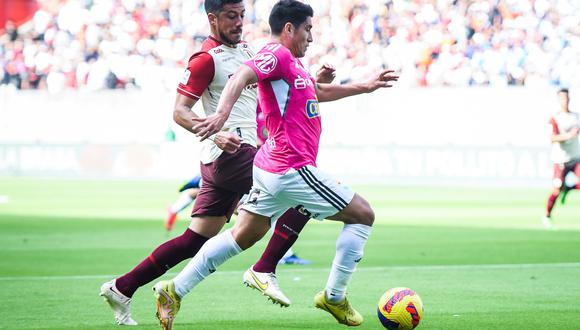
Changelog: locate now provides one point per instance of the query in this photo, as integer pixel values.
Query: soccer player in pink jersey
(285, 173)
(565, 152)
(226, 163)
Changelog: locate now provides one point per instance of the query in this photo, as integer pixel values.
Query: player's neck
(284, 42)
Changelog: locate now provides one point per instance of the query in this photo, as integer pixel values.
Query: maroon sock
(164, 257)
(551, 202)
(286, 232)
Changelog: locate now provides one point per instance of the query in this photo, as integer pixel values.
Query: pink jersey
(262, 130)
(287, 96)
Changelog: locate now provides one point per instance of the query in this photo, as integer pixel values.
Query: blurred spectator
(106, 44)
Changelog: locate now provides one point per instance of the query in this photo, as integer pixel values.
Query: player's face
(564, 100)
(229, 23)
(302, 38)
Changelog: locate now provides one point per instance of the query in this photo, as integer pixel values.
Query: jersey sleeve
(198, 75)
(554, 126)
(270, 62)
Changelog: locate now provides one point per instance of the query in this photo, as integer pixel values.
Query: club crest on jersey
(265, 62)
(312, 110)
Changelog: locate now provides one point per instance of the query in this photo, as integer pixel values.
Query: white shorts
(308, 190)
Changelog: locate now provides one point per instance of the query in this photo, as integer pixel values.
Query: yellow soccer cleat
(342, 311)
(168, 303)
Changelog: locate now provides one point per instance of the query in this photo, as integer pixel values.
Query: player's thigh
(358, 211)
(559, 175)
(262, 199)
(576, 169)
(213, 201)
(314, 193)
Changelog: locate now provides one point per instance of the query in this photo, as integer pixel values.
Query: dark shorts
(225, 181)
(561, 170)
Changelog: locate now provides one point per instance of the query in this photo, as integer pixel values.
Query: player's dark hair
(286, 11)
(563, 90)
(215, 6)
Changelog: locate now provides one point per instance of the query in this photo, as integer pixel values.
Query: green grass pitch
(479, 259)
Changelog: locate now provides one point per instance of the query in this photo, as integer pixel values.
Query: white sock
(211, 255)
(349, 251)
(182, 202)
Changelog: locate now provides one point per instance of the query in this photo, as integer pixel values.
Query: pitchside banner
(381, 165)
(475, 136)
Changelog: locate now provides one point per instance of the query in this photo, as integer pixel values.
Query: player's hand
(208, 126)
(227, 141)
(326, 74)
(575, 132)
(383, 80)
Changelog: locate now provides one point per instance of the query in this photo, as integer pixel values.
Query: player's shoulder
(209, 44)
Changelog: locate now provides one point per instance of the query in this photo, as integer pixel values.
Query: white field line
(310, 269)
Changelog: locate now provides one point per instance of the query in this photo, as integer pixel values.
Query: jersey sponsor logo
(312, 109)
(185, 77)
(301, 83)
(265, 62)
(218, 50)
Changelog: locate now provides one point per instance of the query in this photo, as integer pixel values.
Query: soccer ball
(400, 308)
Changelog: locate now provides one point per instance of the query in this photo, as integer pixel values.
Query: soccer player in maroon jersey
(565, 152)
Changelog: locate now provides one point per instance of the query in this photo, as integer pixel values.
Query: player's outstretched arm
(328, 92)
(206, 127)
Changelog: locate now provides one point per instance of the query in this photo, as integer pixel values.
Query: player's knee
(248, 231)
(367, 216)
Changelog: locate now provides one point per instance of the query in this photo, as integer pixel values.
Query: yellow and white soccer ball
(400, 308)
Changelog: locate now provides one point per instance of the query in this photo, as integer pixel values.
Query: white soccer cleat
(120, 303)
(268, 285)
(547, 222)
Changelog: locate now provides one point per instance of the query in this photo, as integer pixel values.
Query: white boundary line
(310, 269)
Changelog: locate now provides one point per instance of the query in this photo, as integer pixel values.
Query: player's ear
(212, 18)
(289, 28)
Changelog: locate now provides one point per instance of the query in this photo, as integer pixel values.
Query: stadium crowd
(108, 44)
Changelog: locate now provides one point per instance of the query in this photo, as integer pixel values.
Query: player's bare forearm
(182, 113)
(327, 92)
(563, 137)
(210, 125)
